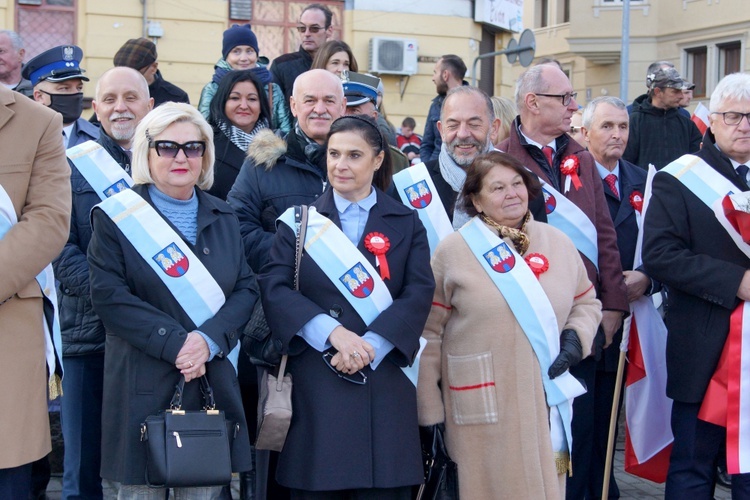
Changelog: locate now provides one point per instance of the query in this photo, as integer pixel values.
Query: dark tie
(611, 181)
(742, 172)
(548, 153)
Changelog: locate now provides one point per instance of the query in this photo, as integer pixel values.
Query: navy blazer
(632, 178)
(378, 419)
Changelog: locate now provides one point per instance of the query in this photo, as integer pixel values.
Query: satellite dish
(527, 47)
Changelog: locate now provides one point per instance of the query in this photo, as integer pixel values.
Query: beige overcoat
(35, 174)
(479, 373)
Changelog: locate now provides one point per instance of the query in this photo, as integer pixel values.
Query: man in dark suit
(686, 248)
(538, 138)
(605, 132)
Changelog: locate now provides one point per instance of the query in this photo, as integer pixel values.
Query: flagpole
(615, 405)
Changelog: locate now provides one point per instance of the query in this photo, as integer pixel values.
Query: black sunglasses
(169, 149)
(357, 380)
(313, 29)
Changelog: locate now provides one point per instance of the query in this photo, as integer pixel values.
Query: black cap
(55, 65)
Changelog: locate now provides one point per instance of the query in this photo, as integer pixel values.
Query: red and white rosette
(378, 244)
(537, 262)
(569, 168)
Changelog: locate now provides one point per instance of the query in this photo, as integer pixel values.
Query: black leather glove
(571, 353)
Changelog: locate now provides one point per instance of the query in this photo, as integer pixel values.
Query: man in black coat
(315, 26)
(707, 274)
(659, 133)
(605, 132)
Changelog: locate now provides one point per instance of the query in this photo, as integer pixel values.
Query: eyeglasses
(574, 130)
(169, 149)
(566, 98)
(313, 29)
(357, 380)
(732, 118)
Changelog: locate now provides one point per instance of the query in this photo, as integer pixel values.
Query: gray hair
(142, 83)
(322, 74)
(588, 112)
(530, 81)
(469, 90)
(735, 87)
(15, 38)
(156, 122)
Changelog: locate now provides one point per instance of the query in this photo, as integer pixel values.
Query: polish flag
(648, 432)
(700, 117)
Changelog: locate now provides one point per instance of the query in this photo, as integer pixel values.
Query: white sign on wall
(505, 14)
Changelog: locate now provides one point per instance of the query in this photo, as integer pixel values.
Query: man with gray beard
(121, 101)
(467, 123)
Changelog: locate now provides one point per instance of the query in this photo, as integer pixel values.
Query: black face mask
(70, 106)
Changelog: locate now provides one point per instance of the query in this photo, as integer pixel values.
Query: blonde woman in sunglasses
(170, 282)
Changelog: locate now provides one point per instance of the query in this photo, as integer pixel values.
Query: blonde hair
(156, 122)
(506, 112)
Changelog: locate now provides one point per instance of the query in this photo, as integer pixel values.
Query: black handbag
(440, 472)
(257, 342)
(188, 448)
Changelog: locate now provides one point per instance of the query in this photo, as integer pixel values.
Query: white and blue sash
(417, 191)
(349, 271)
(710, 187)
(568, 218)
(99, 169)
(534, 313)
(169, 256)
(51, 319)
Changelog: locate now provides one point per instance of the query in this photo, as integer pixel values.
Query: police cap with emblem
(55, 65)
(360, 88)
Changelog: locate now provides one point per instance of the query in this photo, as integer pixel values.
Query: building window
(43, 24)
(729, 58)
(697, 61)
(707, 64)
(542, 20)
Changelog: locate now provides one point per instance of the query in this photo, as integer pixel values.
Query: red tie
(548, 152)
(611, 181)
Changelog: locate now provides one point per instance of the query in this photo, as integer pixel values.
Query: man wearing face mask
(58, 84)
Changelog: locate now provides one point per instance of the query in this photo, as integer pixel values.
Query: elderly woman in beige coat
(513, 310)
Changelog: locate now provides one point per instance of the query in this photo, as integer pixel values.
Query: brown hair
(328, 49)
(482, 165)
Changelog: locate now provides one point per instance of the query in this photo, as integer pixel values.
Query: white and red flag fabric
(700, 117)
(727, 399)
(648, 410)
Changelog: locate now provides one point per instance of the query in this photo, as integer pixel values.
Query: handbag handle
(300, 221)
(206, 391)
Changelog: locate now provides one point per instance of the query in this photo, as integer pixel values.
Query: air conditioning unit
(393, 56)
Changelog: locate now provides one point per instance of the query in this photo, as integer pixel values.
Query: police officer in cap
(361, 98)
(58, 80)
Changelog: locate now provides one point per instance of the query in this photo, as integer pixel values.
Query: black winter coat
(659, 136)
(82, 331)
(376, 422)
(287, 67)
(229, 159)
(267, 185)
(146, 328)
(686, 248)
